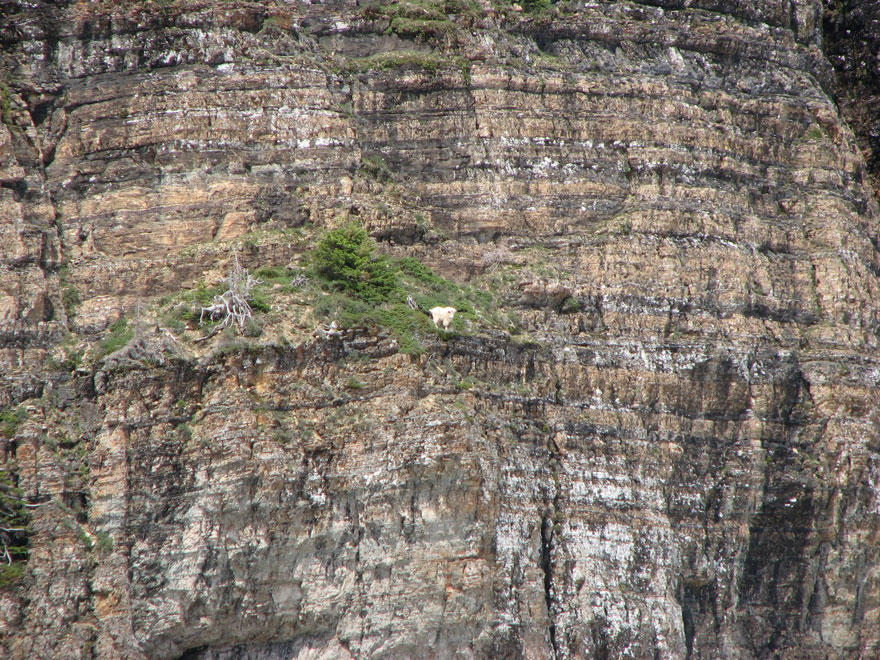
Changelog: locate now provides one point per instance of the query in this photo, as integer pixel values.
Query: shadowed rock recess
(659, 437)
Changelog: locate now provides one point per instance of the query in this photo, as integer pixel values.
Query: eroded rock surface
(676, 453)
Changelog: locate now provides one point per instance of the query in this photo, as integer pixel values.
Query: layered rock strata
(681, 462)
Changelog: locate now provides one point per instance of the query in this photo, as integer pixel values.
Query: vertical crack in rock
(687, 619)
(547, 567)
(549, 529)
(359, 573)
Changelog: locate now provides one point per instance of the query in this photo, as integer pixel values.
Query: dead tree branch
(232, 306)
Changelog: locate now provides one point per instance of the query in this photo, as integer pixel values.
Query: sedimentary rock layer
(682, 462)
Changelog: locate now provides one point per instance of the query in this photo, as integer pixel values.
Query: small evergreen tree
(344, 259)
(341, 256)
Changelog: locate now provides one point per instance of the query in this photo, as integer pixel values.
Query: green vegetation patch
(120, 333)
(424, 18)
(10, 420)
(402, 59)
(408, 27)
(13, 530)
(10, 574)
(344, 261)
(70, 357)
(185, 305)
(180, 311)
(5, 105)
(362, 288)
(103, 543)
(535, 6)
(71, 300)
(340, 276)
(272, 274)
(815, 133)
(374, 165)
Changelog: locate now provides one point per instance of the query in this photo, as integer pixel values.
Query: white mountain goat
(442, 316)
(439, 315)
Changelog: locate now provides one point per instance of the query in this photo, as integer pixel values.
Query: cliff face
(668, 449)
(852, 32)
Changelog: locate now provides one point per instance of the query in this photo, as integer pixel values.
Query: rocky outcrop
(672, 451)
(851, 37)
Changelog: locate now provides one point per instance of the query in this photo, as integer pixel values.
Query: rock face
(676, 455)
(853, 46)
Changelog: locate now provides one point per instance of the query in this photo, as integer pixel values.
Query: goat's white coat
(442, 316)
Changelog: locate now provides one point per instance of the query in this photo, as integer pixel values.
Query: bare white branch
(232, 306)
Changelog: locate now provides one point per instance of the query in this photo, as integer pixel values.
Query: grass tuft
(10, 420)
(120, 333)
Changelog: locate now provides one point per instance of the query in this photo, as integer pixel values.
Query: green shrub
(183, 432)
(374, 165)
(401, 59)
(252, 328)
(338, 305)
(120, 335)
(815, 133)
(381, 281)
(272, 274)
(424, 11)
(258, 301)
(344, 260)
(5, 105)
(204, 294)
(341, 256)
(422, 273)
(103, 543)
(407, 27)
(10, 574)
(570, 305)
(404, 323)
(535, 6)
(10, 420)
(71, 300)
